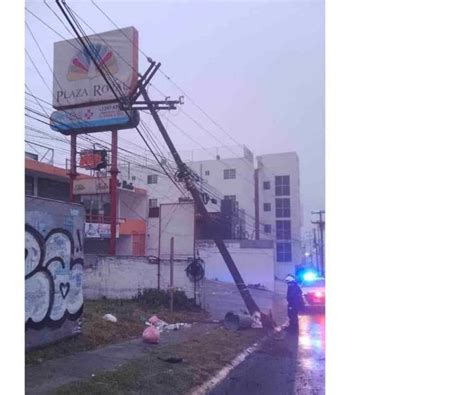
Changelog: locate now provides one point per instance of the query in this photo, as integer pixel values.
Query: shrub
(151, 297)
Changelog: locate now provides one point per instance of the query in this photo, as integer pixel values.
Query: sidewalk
(49, 375)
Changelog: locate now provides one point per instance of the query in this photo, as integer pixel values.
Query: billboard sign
(99, 185)
(78, 82)
(98, 118)
(91, 186)
(99, 231)
(93, 159)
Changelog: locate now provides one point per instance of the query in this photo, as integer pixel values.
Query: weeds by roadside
(131, 316)
(201, 359)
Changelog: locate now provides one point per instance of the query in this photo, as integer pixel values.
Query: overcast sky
(257, 68)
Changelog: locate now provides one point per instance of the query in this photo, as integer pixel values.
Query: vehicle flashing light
(310, 276)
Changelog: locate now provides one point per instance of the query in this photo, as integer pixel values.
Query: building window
(283, 252)
(152, 202)
(266, 184)
(282, 208)
(152, 179)
(29, 185)
(229, 197)
(282, 185)
(52, 189)
(207, 172)
(229, 174)
(267, 207)
(267, 228)
(283, 230)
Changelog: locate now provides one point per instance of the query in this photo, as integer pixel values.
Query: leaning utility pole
(186, 176)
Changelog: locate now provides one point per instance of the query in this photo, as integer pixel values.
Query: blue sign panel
(100, 118)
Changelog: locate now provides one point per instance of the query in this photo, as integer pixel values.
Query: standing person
(294, 297)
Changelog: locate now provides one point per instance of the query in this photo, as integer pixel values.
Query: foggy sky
(256, 67)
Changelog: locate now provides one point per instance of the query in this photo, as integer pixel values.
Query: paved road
(286, 365)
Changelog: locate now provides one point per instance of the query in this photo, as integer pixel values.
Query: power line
(110, 75)
(108, 72)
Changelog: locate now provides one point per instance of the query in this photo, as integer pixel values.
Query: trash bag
(257, 320)
(151, 335)
(154, 320)
(110, 317)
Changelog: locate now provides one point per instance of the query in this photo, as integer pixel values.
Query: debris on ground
(163, 326)
(257, 320)
(151, 335)
(175, 327)
(234, 322)
(171, 359)
(110, 317)
(154, 320)
(257, 286)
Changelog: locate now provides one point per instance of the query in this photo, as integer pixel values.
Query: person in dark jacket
(294, 297)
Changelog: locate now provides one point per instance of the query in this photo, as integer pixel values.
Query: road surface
(286, 365)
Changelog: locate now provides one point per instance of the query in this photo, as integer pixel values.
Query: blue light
(310, 276)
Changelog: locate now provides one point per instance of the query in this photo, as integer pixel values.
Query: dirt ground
(199, 359)
(97, 332)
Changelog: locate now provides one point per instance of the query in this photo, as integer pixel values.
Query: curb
(214, 381)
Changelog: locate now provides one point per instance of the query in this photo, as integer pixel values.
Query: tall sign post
(84, 101)
(113, 193)
(72, 170)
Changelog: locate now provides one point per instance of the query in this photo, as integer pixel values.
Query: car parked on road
(313, 287)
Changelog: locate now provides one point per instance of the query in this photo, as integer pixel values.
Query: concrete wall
(152, 236)
(177, 220)
(122, 277)
(132, 204)
(54, 237)
(123, 245)
(254, 259)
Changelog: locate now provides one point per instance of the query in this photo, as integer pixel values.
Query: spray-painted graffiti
(53, 278)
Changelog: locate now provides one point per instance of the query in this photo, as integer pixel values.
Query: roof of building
(45, 168)
(59, 172)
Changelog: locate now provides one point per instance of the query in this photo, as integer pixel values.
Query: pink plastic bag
(153, 320)
(151, 335)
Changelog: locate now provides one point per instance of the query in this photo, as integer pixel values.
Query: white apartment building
(268, 195)
(229, 174)
(279, 208)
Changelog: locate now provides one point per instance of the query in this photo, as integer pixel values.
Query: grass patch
(202, 358)
(96, 332)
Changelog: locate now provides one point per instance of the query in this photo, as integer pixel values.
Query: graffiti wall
(54, 236)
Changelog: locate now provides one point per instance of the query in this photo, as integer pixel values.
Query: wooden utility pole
(321, 226)
(185, 175)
